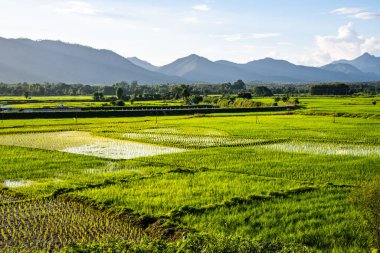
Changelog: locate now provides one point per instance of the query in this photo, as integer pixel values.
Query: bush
(119, 103)
(246, 95)
(195, 99)
(262, 91)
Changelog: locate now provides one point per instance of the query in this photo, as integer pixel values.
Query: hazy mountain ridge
(54, 61)
(194, 67)
(366, 63)
(24, 60)
(200, 69)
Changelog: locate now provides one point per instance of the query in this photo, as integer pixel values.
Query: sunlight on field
(84, 143)
(120, 150)
(51, 224)
(325, 148)
(13, 184)
(185, 131)
(189, 141)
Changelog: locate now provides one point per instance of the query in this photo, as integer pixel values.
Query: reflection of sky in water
(121, 150)
(200, 141)
(13, 184)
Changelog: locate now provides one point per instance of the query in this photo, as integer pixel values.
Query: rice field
(326, 148)
(164, 194)
(83, 143)
(217, 183)
(50, 225)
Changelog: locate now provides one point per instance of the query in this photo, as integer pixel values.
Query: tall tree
(119, 93)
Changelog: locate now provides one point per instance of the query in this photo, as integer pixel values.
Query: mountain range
(24, 60)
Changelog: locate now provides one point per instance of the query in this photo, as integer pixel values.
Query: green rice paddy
(277, 181)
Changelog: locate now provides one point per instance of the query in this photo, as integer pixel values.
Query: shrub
(119, 103)
(262, 91)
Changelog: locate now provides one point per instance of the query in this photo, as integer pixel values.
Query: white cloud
(345, 11)
(201, 7)
(284, 43)
(264, 35)
(156, 29)
(347, 44)
(356, 13)
(367, 15)
(76, 7)
(233, 37)
(190, 20)
(238, 36)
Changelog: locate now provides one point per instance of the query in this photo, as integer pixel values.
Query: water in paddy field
(190, 140)
(85, 144)
(14, 184)
(325, 149)
(121, 150)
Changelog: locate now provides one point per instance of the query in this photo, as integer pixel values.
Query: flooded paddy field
(84, 143)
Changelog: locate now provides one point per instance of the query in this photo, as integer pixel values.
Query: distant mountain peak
(367, 63)
(194, 56)
(367, 56)
(142, 63)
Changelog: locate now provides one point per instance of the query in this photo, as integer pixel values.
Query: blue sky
(160, 31)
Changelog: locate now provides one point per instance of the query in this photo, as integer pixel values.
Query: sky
(160, 31)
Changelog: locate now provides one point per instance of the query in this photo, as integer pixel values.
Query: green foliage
(330, 89)
(26, 94)
(98, 96)
(245, 95)
(237, 103)
(238, 85)
(119, 103)
(262, 91)
(195, 99)
(119, 93)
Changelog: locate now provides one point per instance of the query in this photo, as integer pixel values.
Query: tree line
(136, 91)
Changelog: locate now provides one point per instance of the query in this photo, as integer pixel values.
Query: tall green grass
(323, 220)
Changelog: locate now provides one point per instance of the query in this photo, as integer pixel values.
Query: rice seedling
(162, 194)
(50, 225)
(321, 219)
(326, 148)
